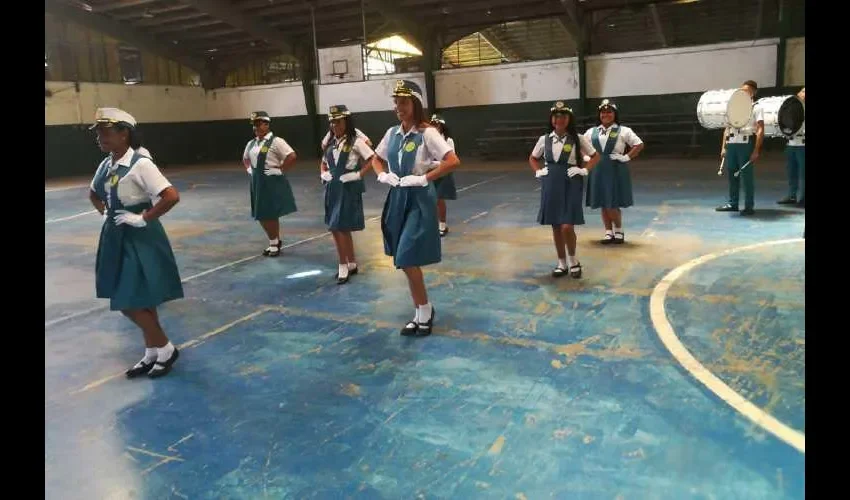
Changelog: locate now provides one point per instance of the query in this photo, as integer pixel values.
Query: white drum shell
(770, 109)
(718, 109)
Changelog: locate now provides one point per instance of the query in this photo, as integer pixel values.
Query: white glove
(326, 176)
(389, 178)
(351, 176)
(273, 171)
(542, 172)
(413, 180)
(436, 163)
(573, 171)
(125, 217)
(620, 158)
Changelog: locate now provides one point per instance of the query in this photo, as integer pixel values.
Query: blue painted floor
(290, 386)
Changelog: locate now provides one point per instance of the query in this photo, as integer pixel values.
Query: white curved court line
(668, 337)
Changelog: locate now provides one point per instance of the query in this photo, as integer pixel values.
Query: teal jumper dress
(560, 195)
(409, 220)
(343, 201)
(271, 195)
(609, 184)
(135, 266)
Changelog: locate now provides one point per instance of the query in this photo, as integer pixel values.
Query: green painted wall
(70, 150)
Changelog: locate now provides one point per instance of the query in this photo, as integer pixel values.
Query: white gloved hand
(351, 176)
(585, 158)
(413, 181)
(620, 158)
(129, 218)
(273, 171)
(326, 175)
(573, 171)
(248, 171)
(389, 178)
(436, 163)
(542, 172)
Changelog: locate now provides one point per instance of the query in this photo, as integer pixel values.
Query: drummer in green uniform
(409, 219)
(795, 161)
(266, 158)
(741, 148)
(135, 267)
(609, 185)
(345, 160)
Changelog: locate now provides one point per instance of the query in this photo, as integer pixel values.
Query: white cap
(111, 116)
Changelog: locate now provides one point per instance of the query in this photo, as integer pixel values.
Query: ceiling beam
(121, 5)
(659, 29)
(391, 12)
(225, 11)
(124, 33)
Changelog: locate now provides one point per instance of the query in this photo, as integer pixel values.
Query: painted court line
(185, 345)
(60, 219)
(668, 337)
(77, 314)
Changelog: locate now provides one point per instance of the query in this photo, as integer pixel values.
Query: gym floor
(290, 386)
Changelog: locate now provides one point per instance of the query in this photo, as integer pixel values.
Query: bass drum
(784, 116)
(724, 108)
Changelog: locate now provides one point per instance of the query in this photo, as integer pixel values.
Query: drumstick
(742, 168)
(722, 161)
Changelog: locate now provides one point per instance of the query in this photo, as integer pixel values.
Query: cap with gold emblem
(260, 115)
(435, 118)
(607, 104)
(406, 88)
(338, 111)
(560, 108)
(110, 117)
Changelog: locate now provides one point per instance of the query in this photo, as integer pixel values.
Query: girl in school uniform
(409, 219)
(359, 133)
(135, 267)
(562, 177)
(445, 185)
(266, 158)
(342, 170)
(609, 186)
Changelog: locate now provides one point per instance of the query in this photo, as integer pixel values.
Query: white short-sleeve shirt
(558, 146)
(434, 147)
(357, 132)
(278, 151)
(625, 137)
(741, 135)
(359, 151)
(144, 182)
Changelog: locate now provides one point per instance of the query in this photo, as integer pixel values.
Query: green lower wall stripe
(71, 150)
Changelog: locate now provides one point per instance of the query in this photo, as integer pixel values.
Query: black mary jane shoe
(608, 239)
(444, 232)
(410, 329)
(424, 329)
(139, 369)
(273, 250)
(727, 207)
(619, 238)
(162, 368)
(575, 271)
(559, 272)
(788, 200)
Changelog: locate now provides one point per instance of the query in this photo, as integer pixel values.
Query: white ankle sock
(572, 260)
(443, 226)
(150, 355)
(274, 242)
(165, 352)
(618, 229)
(562, 263)
(424, 314)
(415, 315)
(343, 271)
(352, 266)
(609, 232)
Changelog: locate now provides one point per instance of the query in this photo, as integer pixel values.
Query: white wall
(795, 62)
(371, 95)
(286, 99)
(691, 69)
(147, 103)
(510, 83)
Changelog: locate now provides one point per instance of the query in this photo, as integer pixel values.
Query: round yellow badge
(113, 180)
(568, 148)
(346, 149)
(409, 147)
